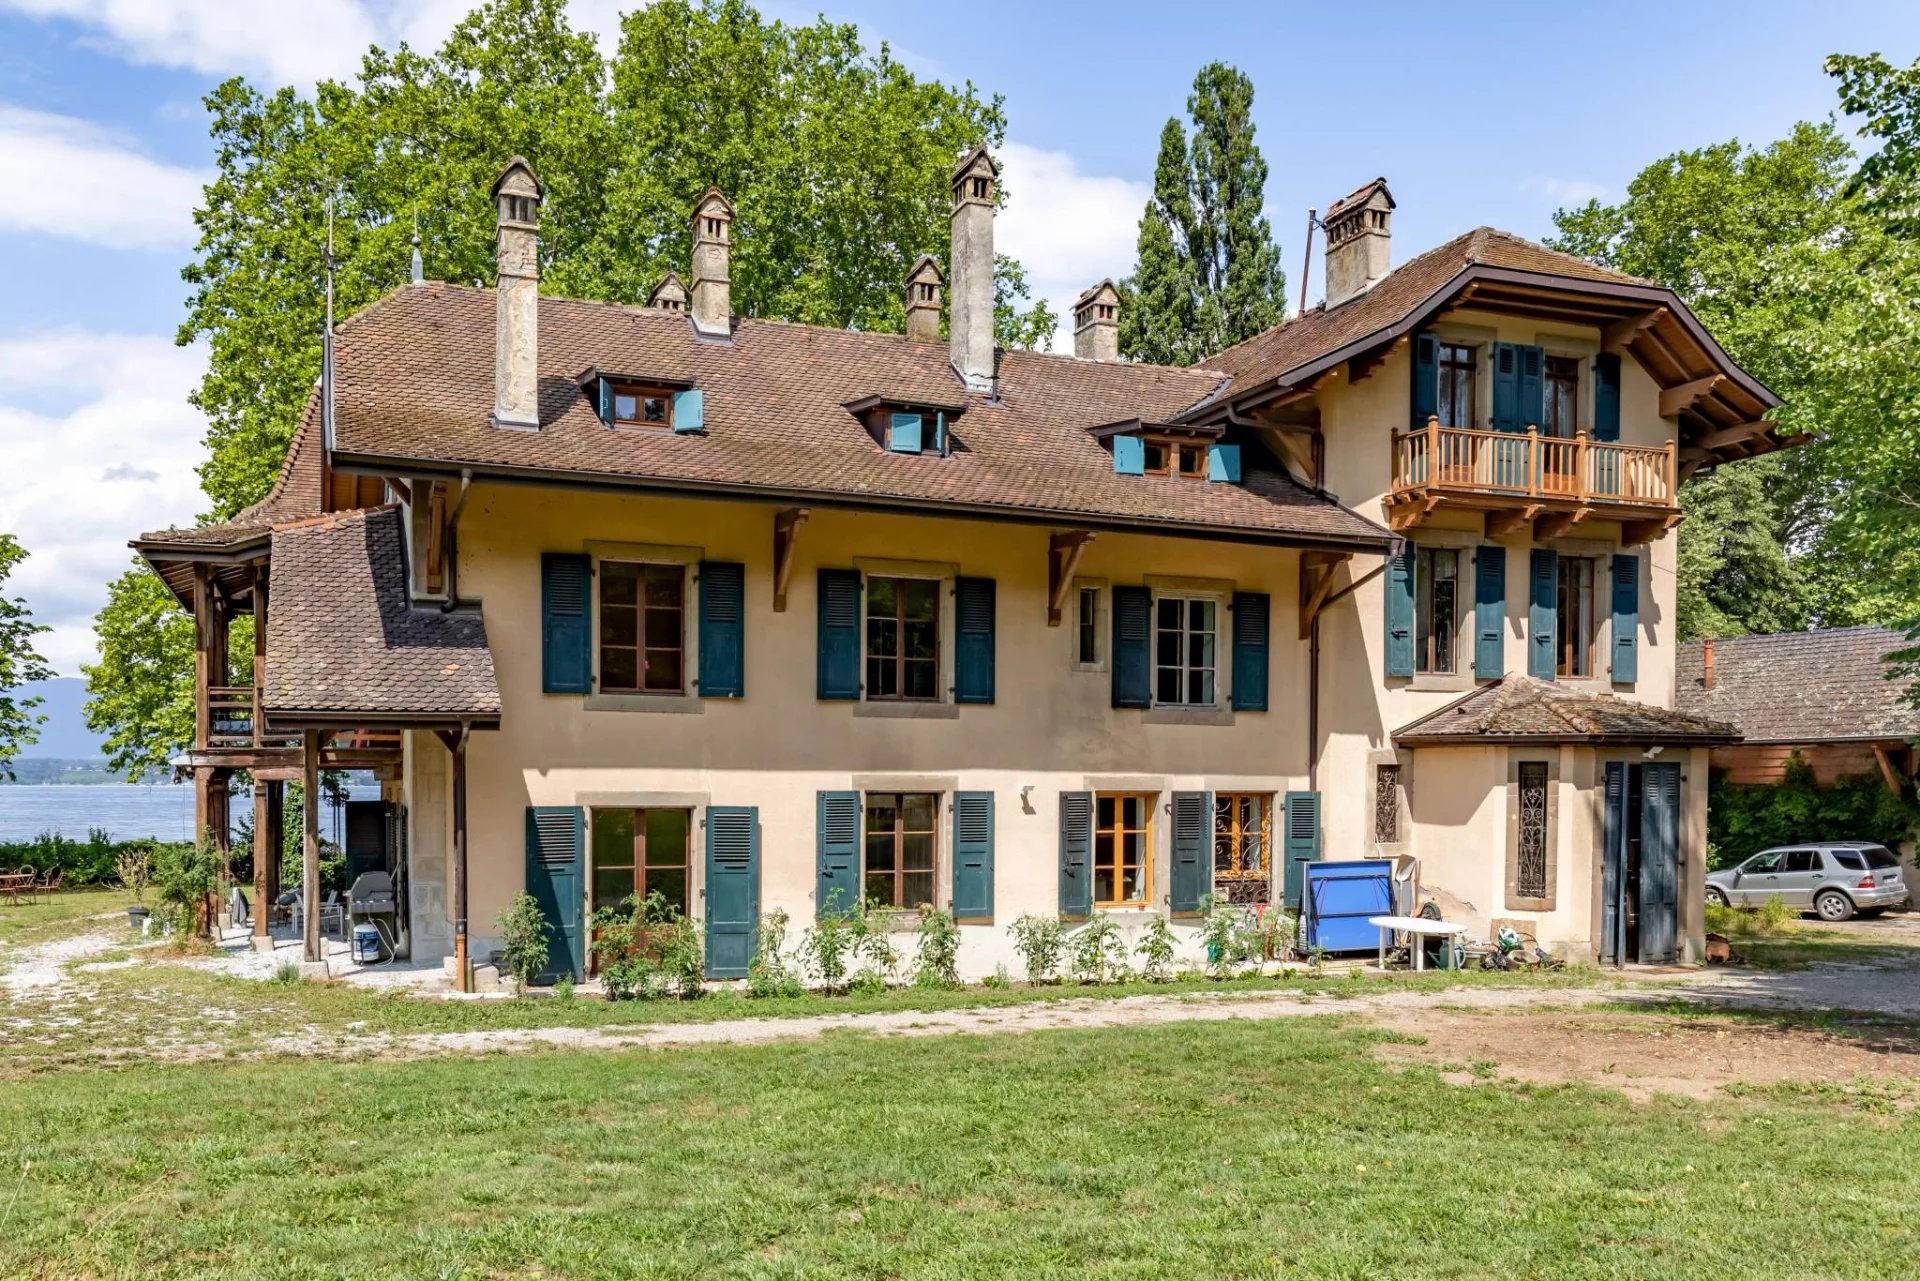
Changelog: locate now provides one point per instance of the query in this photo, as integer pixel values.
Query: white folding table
(1419, 925)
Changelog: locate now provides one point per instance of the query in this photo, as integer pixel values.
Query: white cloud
(76, 180)
(97, 445)
(1068, 229)
(1567, 193)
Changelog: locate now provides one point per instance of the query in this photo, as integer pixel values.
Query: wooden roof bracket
(1618, 336)
(1888, 774)
(786, 531)
(1685, 396)
(1734, 435)
(1559, 524)
(1502, 523)
(1318, 570)
(1063, 558)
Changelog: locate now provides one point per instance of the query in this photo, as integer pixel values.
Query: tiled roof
(1523, 709)
(415, 373)
(1271, 355)
(295, 495)
(343, 638)
(1801, 687)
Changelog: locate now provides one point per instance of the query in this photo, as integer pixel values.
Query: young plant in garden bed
(1156, 950)
(1039, 941)
(937, 960)
(523, 939)
(1097, 954)
(770, 974)
(647, 949)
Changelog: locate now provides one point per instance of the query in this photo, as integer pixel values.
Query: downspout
(453, 541)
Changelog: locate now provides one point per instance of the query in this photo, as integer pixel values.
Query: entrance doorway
(1640, 881)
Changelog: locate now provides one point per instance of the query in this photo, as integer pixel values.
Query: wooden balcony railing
(234, 716)
(1529, 465)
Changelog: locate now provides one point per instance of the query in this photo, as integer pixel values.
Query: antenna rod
(1306, 264)
(326, 339)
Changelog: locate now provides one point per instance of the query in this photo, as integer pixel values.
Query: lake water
(126, 810)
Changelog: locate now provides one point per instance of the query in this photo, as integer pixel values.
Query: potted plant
(136, 873)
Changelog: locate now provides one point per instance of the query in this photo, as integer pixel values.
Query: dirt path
(41, 965)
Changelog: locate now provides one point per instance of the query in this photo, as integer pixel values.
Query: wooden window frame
(1178, 456)
(1086, 625)
(640, 855)
(1425, 661)
(898, 658)
(1461, 360)
(1574, 646)
(642, 393)
(1260, 879)
(1555, 372)
(641, 610)
(1116, 835)
(899, 833)
(1184, 667)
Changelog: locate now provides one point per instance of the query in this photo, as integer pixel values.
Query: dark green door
(1660, 864)
(556, 877)
(733, 889)
(1613, 869)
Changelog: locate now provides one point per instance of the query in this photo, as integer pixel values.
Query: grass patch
(52, 916)
(1269, 1149)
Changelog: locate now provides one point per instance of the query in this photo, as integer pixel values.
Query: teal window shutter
(1490, 612)
(836, 886)
(723, 607)
(556, 868)
(1192, 852)
(1543, 589)
(973, 640)
(1606, 396)
(1426, 380)
(1626, 619)
(1399, 589)
(1132, 657)
(1130, 455)
(604, 387)
(1506, 387)
(1531, 386)
(1300, 843)
(1223, 463)
(689, 410)
(1251, 619)
(566, 618)
(973, 856)
(838, 676)
(903, 434)
(940, 432)
(733, 889)
(1076, 853)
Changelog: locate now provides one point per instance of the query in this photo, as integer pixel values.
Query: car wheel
(1716, 897)
(1832, 905)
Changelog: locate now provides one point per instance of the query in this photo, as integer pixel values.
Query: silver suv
(1832, 878)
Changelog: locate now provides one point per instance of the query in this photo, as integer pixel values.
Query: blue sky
(1493, 113)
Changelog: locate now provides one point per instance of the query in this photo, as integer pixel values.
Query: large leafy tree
(20, 664)
(1209, 272)
(837, 157)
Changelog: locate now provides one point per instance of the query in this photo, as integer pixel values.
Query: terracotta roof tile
(1522, 708)
(1801, 687)
(343, 638)
(295, 494)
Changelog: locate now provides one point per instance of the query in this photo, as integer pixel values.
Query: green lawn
(1273, 1149)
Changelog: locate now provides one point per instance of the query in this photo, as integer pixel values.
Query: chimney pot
(669, 294)
(923, 300)
(712, 265)
(970, 326)
(1096, 323)
(516, 360)
(1359, 231)
(1706, 663)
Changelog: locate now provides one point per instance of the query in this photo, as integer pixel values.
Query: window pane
(613, 837)
(663, 628)
(919, 811)
(920, 599)
(923, 639)
(619, 669)
(1167, 611)
(1167, 687)
(1103, 811)
(664, 584)
(655, 409)
(667, 837)
(916, 851)
(1133, 811)
(663, 669)
(619, 583)
(883, 638)
(1103, 885)
(880, 852)
(1089, 632)
(611, 886)
(916, 889)
(619, 625)
(883, 811)
(1169, 649)
(882, 678)
(879, 887)
(1200, 686)
(880, 596)
(626, 407)
(671, 884)
(922, 679)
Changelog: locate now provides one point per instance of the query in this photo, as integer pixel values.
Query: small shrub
(770, 974)
(1774, 916)
(998, 979)
(523, 938)
(868, 982)
(563, 987)
(287, 972)
(937, 960)
(1279, 933)
(184, 879)
(826, 946)
(1096, 952)
(134, 866)
(1228, 936)
(872, 929)
(1040, 943)
(1722, 919)
(646, 949)
(1156, 950)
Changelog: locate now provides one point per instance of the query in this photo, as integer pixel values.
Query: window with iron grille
(1242, 833)
(1386, 804)
(1530, 879)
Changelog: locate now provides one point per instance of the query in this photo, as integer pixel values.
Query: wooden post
(1433, 451)
(310, 842)
(1533, 461)
(1580, 466)
(1673, 473)
(262, 790)
(463, 979)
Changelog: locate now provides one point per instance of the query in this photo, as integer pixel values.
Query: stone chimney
(970, 325)
(712, 265)
(923, 300)
(1706, 663)
(516, 325)
(669, 294)
(1096, 323)
(1359, 235)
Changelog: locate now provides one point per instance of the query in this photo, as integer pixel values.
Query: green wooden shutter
(838, 676)
(1076, 853)
(836, 884)
(1659, 863)
(1426, 380)
(973, 856)
(689, 410)
(1223, 463)
(1192, 868)
(733, 889)
(1132, 655)
(1613, 870)
(1626, 619)
(1606, 396)
(1399, 590)
(723, 607)
(556, 869)
(1506, 387)
(940, 432)
(1301, 843)
(1130, 455)
(1490, 612)
(1251, 618)
(903, 433)
(566, 635)
(1530, 386)
(604, 389)
(1543, 588)
(973, 639)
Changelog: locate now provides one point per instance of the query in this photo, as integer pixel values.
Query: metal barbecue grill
(371, 901)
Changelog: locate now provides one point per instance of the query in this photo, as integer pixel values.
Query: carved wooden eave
(1318, 573)
(1063, 558)
(786, 533)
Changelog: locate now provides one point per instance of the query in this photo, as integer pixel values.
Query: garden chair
(50, 883)
(331, 909)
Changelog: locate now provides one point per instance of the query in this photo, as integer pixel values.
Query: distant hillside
(65, 736)
(56, 769)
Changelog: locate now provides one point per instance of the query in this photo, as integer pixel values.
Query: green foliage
(1040, 943)
(1233, 940)
(94, 861)
(20, 664)
(132, 866)
(1745, 818)
(1888, 180)
(523, 938)
(769, 973)
(1155, 950)
(140, 693)
(185, 876)
(936, 961)
(1208, 273)
(826, 946)
(1096, 953)
(870, 931)
(647, 949)
(287, 973)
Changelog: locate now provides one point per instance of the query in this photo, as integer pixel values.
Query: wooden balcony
(1519, 477)
(235, 737)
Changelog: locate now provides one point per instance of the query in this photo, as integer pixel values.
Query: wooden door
(1660, 864)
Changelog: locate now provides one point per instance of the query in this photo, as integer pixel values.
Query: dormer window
(1169, 457)
(638, 406)
(901, 427)
(1180, 451)
(633, 404)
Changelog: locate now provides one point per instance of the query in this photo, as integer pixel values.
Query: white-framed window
(1186, 650)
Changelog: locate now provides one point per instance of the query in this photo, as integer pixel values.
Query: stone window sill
(1187, 716)
(671, 703)
(1447, 683)
(941, 711)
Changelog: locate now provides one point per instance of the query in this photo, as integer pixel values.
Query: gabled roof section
(346, 644)
(1519, 708)
(415, 387)
(1801, 687)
